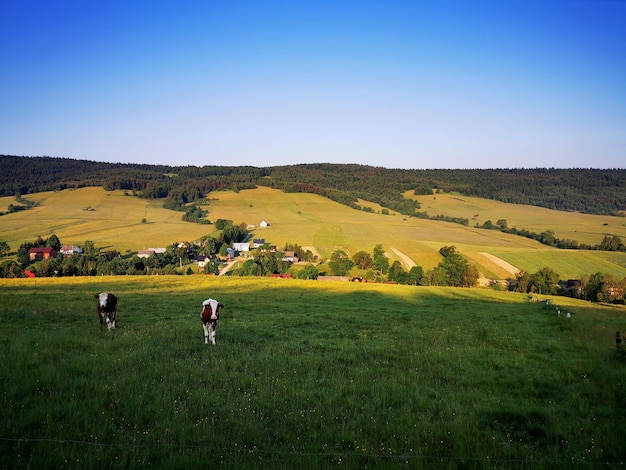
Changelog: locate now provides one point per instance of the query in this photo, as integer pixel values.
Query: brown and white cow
(107, 309)
(210, 315)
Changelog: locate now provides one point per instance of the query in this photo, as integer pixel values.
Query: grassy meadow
(113, 220)
(306, 374)
(584, 228)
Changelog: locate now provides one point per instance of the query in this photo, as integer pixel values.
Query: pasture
(306, 374)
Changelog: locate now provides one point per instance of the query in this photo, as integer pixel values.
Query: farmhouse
(69, 250)
(150, 252)
(41, 253)
(257, 242)
(241, 247)
(574, 287)
(290, 256)
(201, 261)
(145, 253)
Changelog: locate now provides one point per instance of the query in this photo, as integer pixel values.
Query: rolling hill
(116, 220)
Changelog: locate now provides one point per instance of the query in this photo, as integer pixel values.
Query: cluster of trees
(598, 287)
(584, 190)
(454, 270)
(266, 262)
(545, 281)
(601, 287)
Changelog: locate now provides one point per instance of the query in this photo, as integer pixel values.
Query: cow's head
(103, 300)
(209, 313)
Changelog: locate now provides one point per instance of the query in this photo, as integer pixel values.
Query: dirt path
(408, 261)
(501, 263)
(226, 267)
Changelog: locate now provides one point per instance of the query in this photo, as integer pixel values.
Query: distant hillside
(586, 190)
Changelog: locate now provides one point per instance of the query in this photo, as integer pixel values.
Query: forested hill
(585, 190)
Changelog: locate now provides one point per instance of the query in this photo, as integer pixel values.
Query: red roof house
(41, 253)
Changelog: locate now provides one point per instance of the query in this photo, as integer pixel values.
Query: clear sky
(398, 84)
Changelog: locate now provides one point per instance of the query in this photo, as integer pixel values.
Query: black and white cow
(107, 309)
(210, 315)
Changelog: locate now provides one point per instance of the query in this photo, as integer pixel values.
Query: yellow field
(584, 228)
(108, 218)
(114, 220)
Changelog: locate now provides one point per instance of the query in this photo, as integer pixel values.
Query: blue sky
(398, 84)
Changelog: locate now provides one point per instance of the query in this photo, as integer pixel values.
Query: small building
(263, 224)
(231, 253)
(257, 242)
(201, 261)
(241, 247)
(36, 254)
(157, 251)
(574, 288)
(290, 256)
(145, 253)
(69, 250)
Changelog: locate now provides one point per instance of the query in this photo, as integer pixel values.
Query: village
(192, 255)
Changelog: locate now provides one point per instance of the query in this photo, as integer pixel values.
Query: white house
(241, 247)
(201, 261)
(69, 250)
(263, 223)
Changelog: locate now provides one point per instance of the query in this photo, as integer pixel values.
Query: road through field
(408, 261)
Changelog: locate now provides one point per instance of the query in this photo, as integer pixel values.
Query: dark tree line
(586, 190)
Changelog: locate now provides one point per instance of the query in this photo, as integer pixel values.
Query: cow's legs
(206, 333)
(212, 335)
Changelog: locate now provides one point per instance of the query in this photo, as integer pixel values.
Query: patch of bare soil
(408, 261)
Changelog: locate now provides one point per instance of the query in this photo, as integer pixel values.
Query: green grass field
(113, 220)
(306, 374)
